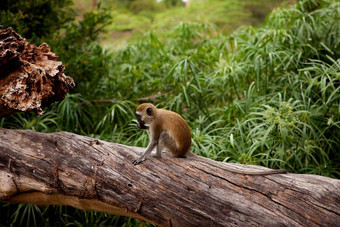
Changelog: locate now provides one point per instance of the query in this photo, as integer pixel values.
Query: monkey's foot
(138, 160)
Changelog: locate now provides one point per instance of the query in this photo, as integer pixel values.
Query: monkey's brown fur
(179, 139)
(168, 129)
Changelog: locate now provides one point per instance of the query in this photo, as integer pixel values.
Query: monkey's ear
(149, 111)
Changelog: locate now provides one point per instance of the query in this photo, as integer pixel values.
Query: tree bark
(69, 169)
(30, 76)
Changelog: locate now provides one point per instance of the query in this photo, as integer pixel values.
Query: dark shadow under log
(69, 169)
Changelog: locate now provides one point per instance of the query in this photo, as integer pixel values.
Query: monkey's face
(145, 115)
(141, 124)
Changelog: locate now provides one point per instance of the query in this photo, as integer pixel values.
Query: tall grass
(268, 96)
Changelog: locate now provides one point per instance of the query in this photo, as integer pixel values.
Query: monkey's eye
(149, 111)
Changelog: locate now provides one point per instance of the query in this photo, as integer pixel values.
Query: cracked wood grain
(68, 169)
(31, 77)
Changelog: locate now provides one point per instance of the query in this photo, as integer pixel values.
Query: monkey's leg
(146, 153)
(159, 149)
(160, 144)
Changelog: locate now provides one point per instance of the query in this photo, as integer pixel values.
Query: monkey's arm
(146, 153)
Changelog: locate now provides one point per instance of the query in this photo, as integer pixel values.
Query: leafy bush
(36, 20)
(267, 95)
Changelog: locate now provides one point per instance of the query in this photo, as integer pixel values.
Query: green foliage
(268, 96)
(84, 58)
(118, 115)
(41, 123)
(74, 112)
(227, 15)
(172, 3)
(135, 17)
(36, 19)
(33, 215)
(138, 6)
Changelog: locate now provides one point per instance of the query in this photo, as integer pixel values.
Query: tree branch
(68, 169)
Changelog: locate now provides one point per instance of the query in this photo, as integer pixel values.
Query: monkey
(169, 130)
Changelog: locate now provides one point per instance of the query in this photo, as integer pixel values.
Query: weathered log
(30, 76)
(69, 169)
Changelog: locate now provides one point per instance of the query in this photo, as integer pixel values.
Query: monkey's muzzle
(141, 125)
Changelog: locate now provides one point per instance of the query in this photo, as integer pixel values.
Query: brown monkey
(169, 130)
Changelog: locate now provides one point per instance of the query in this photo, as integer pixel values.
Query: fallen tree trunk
(69, 169)
(30, 76)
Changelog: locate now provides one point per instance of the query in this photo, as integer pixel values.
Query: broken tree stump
(30, 76)
(68, 169)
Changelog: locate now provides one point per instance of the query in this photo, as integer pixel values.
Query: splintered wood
(30, 76)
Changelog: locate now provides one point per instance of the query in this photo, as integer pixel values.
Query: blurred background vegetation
(257, 81)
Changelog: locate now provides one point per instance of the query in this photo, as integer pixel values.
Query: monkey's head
(145, 114)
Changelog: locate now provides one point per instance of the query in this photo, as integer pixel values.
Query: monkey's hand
(138, 160)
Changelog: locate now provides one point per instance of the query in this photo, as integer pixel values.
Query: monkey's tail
(194, 156)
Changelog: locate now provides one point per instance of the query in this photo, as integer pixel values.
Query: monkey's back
(178, 130)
